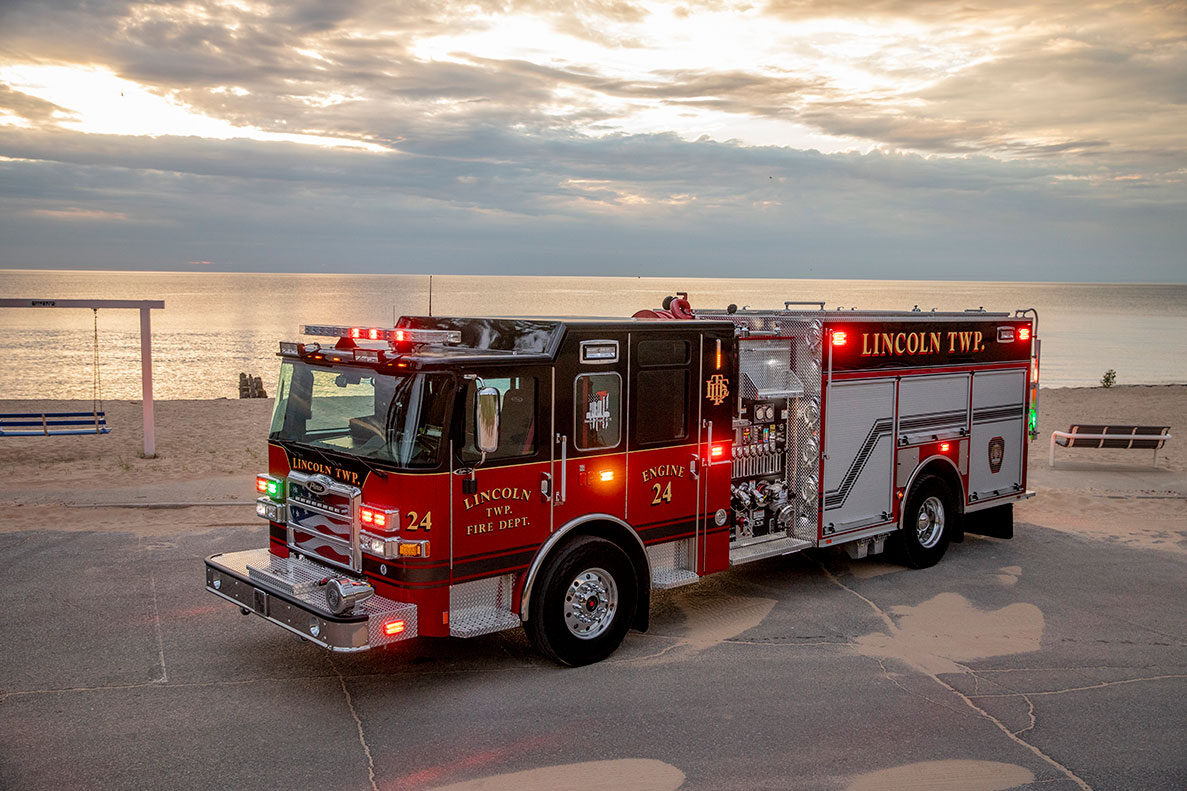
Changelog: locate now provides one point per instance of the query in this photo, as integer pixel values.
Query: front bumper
(285, 591)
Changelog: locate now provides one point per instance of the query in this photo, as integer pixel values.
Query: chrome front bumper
(285, 591)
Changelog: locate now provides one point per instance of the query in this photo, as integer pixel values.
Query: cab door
(501, 507)
(663, 501)
(592, 402)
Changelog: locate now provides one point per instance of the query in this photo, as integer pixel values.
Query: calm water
(215, 325)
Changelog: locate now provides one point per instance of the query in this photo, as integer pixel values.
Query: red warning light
(944, 447)
(717, 452)
(1024, 333)
(355, 332)
(373, 334)
(840, 337)
(393, 627)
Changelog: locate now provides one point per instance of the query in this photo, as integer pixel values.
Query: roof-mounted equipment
(390, 334)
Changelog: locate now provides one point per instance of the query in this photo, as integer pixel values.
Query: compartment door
(859, 448)
(995, 453)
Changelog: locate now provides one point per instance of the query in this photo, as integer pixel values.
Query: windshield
(358, 411)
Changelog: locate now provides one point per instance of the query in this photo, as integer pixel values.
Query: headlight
(272, 511)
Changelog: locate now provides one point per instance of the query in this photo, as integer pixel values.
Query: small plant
(1109, 379)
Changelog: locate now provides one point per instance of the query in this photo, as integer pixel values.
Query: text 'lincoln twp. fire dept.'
(459, 476)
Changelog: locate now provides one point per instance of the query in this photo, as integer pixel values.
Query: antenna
(430, 295)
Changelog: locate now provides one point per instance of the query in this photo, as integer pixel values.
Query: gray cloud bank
(1059, 157)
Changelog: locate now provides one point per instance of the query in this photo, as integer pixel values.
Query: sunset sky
(986, 140)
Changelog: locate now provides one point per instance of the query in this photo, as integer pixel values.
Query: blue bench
(49, 424)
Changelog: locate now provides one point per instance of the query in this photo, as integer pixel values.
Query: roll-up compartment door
(995, 452)
(860, 454)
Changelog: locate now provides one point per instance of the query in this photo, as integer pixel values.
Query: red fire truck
(460, 476)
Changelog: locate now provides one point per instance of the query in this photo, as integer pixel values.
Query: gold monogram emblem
(717, 389)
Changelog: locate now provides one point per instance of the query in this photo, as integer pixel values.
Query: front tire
(584, 604)
(929, 521)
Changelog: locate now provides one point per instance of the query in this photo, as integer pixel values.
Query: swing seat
(52, 424)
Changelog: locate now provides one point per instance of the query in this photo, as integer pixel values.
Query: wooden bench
(50, 424)
(1100, 436)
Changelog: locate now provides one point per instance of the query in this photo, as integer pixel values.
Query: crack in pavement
(261, 679)
(1081, 689)
(358, 723)
(894, 629)
(156, 622)
(890, 677)
(1030, 715)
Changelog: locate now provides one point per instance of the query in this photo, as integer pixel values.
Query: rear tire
(584, 604)
(929, 521)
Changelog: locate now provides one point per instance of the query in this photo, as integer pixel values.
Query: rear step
(767, 549)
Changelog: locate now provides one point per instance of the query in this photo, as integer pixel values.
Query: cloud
(523, 134)
(613, 206)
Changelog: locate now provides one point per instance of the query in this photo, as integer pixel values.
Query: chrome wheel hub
(929, 523)
(591, 601)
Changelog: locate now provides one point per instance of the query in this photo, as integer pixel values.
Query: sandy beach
(209, 450)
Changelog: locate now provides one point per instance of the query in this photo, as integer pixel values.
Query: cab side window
(663, 383)
(665, 391)
(597, 411)
(518, 434)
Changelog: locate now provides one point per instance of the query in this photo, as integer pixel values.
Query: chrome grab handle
(564, 441)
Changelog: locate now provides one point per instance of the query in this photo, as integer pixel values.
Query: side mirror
(486, 407)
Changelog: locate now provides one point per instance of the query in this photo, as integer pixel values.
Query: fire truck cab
(460, 476)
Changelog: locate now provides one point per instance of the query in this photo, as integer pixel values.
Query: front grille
(323, 519)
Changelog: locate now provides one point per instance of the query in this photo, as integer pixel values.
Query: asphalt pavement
(1048, 662)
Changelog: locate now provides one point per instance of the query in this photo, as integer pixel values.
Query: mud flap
(995, 522)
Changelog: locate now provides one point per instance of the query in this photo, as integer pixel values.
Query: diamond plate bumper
(285, 592)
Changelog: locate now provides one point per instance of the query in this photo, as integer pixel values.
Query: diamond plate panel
(482, 606)
(671, 564)
(766, 371)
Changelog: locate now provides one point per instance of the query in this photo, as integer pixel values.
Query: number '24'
(417, 522)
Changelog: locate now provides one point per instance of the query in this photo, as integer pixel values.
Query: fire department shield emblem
(717, 389)
(997, 451)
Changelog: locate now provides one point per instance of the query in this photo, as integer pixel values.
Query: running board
(672, 578)
(767, 549)
(479, 619)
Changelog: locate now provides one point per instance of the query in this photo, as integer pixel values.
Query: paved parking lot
(1050, 662)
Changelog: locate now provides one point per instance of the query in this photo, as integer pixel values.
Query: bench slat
(91, 422)
(53, 432)
(7, 415)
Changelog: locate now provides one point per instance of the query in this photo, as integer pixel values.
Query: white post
(150, 448)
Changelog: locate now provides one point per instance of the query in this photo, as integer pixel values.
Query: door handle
(546, 485)
(692, 467)
(564, 441)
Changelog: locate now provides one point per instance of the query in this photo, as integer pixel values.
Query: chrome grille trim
(352, 547)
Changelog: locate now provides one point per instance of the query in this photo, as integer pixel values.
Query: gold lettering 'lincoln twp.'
(913, 344)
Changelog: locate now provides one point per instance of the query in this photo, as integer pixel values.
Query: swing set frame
(145, 306)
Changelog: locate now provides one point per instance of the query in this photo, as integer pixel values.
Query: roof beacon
(390, 335)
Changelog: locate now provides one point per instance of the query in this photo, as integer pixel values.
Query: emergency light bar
(391, 335)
